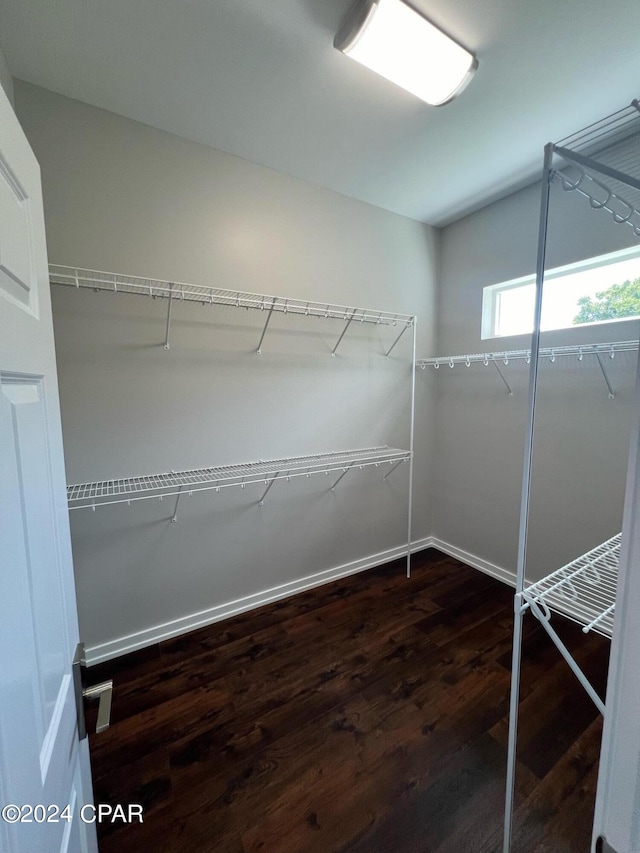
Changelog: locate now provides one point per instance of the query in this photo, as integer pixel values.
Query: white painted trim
(498, 572)
(51, 737)
(176, 627)
(166, 630)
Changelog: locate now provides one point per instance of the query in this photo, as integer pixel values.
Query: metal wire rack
(614, 144)
(175, 291)
(495, 359)
(602, 163)
(551, 353)
(177, 483)
(584, 590)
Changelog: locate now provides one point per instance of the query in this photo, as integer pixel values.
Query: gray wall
(6, 80)
(582, 437)
(124, 197)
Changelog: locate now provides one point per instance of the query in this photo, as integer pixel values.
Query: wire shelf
(613, 143)
(616, 198)
(583, 590)
(551, 353)
(129, 489)
(177, 291)
(606, 134)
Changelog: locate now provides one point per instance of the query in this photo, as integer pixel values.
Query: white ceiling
(260, 79)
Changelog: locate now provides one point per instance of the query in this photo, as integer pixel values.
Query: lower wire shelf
(177, 483)
(584, 590)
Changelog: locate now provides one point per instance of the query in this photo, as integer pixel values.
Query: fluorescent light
(396, 42)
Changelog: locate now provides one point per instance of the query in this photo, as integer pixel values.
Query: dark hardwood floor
(366, 715)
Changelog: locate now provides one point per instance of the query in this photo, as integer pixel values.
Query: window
(599, 290)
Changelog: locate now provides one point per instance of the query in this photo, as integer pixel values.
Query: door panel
(17, 274)
(42, 761)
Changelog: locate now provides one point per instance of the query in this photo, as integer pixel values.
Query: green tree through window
(617, 301)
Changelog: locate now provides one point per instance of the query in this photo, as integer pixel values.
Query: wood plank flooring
(366, 716)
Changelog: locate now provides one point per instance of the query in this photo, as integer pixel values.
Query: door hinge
(602, 846)
(103, 692)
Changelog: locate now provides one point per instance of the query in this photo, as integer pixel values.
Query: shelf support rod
(606, 377)
(174, 517)
(266, 491)
(566, 654)
(399, 462)
(344, 473)
(392, 347)
(412, 421)
(264, 330)
(525, 500)
(168, 328)
(501, 374)
(344, 331)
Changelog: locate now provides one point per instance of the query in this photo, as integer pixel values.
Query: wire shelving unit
(584, 590)
(128, 490)
(264, 472)
(176, 292)
(602, 164)
(497, 359)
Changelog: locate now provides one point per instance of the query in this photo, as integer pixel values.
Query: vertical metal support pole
(166, 334)
(264, 330)
(174, 517)
(392, 347)
(606, 377)
(344, 331)
(412, 417)
(525, 501)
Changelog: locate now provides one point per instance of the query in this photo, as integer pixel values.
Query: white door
(617, 817)
(42, 762)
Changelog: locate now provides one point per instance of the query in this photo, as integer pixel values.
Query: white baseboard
(498, 572)
(175, 627)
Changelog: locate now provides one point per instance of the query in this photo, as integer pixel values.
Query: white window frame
(491, 293)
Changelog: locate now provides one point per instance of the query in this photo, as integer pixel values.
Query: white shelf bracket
(502, 376)
(398, 463)
(266, 491)
(264, 329)
(566, 654)
(606, 376)
(344, 331)
(174, 517)
(393, 345)
(168, 328)
(344, 474)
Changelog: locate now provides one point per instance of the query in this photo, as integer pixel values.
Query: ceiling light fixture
(394, 40)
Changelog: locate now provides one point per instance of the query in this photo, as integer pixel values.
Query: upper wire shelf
(621, 204)
(497, 358)
(584, 590)
(610, 149)
(551, 353)
(175, 291)
(177, 483)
